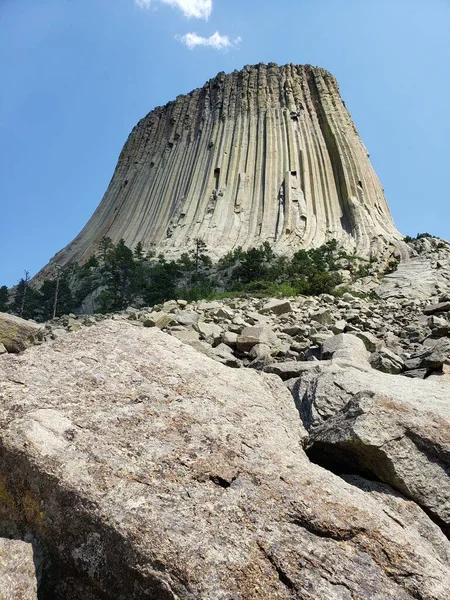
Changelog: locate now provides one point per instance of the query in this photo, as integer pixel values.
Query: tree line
(118, 276)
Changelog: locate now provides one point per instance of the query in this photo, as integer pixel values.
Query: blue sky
(78, 74)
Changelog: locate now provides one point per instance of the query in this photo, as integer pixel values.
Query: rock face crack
(321, 531)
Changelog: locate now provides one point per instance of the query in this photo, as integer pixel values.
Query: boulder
(346, 349)
(440, 307)
(211, 332)
(17, 571)
(276, 307)
(230, 338)
(387, 361)
(151, 471)
(371, 342)
(292, 369)
(401, 442)
(436, 354)
(17, 334)
(158, 319)
(325, 317)
(250, 336)
(186, 318)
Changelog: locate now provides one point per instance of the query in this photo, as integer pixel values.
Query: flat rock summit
(268, 153)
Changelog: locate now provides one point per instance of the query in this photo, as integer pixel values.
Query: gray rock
(211, 332)
(17, 334)
(250, 336)
(325, 317)
(17, 571)
(291, 369)
(150, 470)
(371, 342)
(259, 351)
(346, 349)
(186, 318)
(433, 309)
(276, 307)
(3, 350)
(230, 338)
(386, 361)
(402, 442)
(158, 319)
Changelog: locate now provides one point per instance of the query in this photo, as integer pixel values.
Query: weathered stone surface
(251, 336)
(16, 334)
(402, 442)
(186, 317)
(248, 189)
(291, 369)
(346, 349)
(387, 361)
(159, 319)
(370, 341)
(149, 471)
(440, 307)
(437, 354)
(17, 571)
(323, 316)
(277, 307)
(210, 331)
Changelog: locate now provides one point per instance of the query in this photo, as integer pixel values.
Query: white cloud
(216, 41)
(198, 9)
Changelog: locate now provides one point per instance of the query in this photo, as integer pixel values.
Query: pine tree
(26, 299)
(105, 246)
(4, 298)
(139, 251)
(120, 278)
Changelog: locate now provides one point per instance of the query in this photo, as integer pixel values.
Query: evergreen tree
(105, 247)
(119, 278)
(55, 297)
(139, 251)
(164, 277)
(26, 299)
(4, 298)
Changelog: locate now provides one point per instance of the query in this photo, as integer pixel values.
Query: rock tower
(268, 153)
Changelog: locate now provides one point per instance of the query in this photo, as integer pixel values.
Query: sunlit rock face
(268, 153)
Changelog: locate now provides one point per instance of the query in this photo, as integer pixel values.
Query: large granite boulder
(147, 470)
(17, 334)
(395, 428)
(17, 571)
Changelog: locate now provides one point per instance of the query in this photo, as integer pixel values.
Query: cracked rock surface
(17, 571)
(147, 470)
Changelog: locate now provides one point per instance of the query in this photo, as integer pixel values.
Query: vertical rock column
(264, 154)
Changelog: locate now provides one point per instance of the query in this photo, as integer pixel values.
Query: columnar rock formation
(268, 153)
